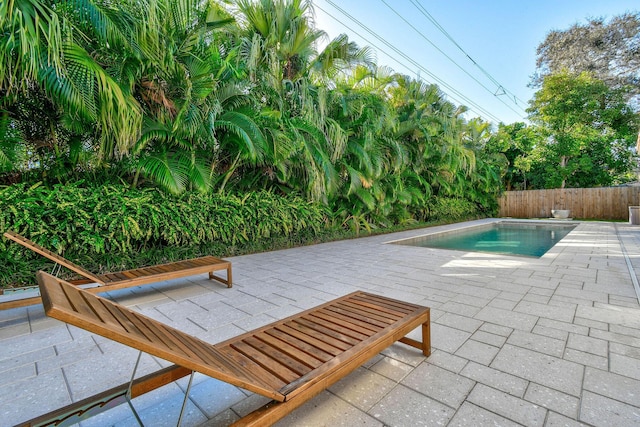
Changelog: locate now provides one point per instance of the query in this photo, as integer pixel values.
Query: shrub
(110, 226)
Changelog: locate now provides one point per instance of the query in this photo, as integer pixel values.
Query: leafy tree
(516, 142)
(42, 49)
(581, 117)
(607, 50)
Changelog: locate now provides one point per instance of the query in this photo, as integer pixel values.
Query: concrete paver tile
(404, 354)
(587, 359)
(327, 409)
(615, 337)
(253, 322)
(552, 399)
(439, 384)
(588, 344)
(624, 365)
(612, 385)
(624, 350)
(477, 351)
(564, 326)
(557, 420)
(85, 353)
(362, 388)
(446, 338)
(223, 419)
(602, 411)
(508, 406)
(534, 298)
(551, 332)
(472, 415)
(625, 330)
(391, 368)
(488, 338)
(496, 379)
(611, 314)
(502, 303)
(23, 359)
(459, 308)
(447, 361)
(539, 343)
(167, 414)
(562, 314)
(496, 329)
(466, 324)
(216, 315)
(540, 368)
(116, 369)
(42, 393)
(406, 407)
(38, 340)
(213, 396)
(508, 318)
(470, 300)
(593, 324)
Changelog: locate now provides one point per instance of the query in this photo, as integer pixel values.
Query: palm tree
(41, 47)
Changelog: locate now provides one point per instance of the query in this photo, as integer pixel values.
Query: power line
(495, 93)
(465, 99)
(500, 88)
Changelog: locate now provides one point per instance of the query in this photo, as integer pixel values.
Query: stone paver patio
(517, 341)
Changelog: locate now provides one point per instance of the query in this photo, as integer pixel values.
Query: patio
(516, 341)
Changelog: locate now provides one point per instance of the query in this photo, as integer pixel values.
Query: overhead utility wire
(486, 73)
(449, 58)
(465, 100)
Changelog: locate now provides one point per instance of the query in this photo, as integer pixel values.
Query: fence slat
(608, 203)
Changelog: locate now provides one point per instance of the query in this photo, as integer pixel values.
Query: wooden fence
(609, 203)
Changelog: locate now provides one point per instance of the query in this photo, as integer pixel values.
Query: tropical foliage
(241, 96)
(104, 227)
(217, 97)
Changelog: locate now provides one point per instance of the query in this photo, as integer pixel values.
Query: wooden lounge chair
(127, 278)
(288, 361)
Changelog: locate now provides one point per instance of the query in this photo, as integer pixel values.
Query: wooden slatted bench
(127, 278)
(288, 361)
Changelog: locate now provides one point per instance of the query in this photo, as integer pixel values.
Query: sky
(488, 54)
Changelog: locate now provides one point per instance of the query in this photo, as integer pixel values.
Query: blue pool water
(532, 240)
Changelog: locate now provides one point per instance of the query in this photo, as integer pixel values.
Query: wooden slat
(315, 333)
(126, 278)
(265, 362)
(294, 352)
(224, 369)
(370, 313)
(346, 311)
(345, 322)
(303, 346)
(338, 327)
(252, 369)
(276, 354)
(604, 203)
(328, 331)
(48, 254)
(289, 360)
(318, 343)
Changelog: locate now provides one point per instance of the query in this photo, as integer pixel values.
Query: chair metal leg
(186, 399)
(128, 395)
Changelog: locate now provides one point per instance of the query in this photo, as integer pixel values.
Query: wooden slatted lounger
(127, 278)
(289, 361)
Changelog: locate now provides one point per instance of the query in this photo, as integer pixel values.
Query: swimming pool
(510, 238)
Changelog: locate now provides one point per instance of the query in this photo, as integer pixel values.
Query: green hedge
(452, 209)
(110, 226)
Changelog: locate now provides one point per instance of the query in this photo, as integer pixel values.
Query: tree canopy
(606, 49)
